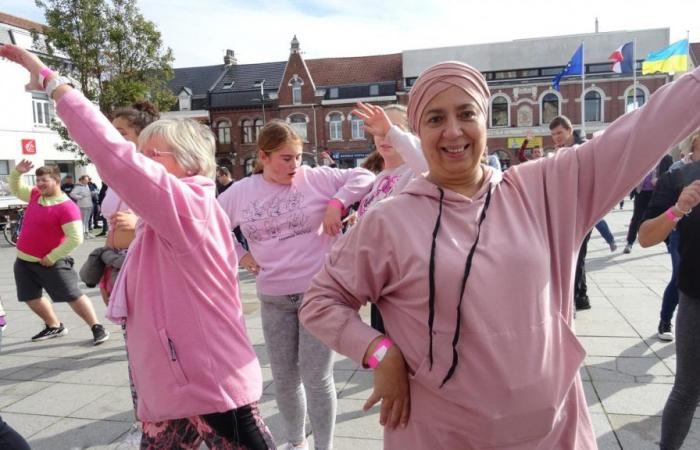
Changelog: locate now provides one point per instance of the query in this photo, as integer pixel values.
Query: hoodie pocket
(510, 386)
(171, 354)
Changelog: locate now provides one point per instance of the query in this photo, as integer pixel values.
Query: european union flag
(574, 67)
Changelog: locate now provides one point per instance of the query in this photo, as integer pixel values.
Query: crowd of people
(458, 360)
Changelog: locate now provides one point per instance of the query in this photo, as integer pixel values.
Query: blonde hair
(272, 137)
(404, 114)
(193, 144)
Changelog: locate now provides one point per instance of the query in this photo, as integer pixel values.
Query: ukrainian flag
(673, 58)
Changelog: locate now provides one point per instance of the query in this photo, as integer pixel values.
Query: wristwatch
(55, 82)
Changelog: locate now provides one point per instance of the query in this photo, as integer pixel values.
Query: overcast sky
(200, 31)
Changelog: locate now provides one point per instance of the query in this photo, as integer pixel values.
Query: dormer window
(374, 90)
(185, 99)
(333, 93)
(228, 85)
(295, 84)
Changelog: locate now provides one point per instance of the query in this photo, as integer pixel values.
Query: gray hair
(193, 144)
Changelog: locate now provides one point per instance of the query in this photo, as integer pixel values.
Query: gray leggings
(297, 357)
(684, 397)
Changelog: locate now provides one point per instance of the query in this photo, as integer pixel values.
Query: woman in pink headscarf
(481, 349)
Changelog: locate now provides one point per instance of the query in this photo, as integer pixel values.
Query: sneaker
(628, 249)
(582, 303)
(99, 334)
(613, 246)
(50, 333)
(665, 331)
(3, 323)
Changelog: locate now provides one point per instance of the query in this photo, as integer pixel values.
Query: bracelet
(672, 217)
(336, 203)
(379, 353)
(685, 213)
(44, 75)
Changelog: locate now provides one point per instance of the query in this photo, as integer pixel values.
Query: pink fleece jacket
(188, 348)
(516, 385)
(283, 222)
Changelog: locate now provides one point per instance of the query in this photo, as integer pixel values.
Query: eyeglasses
(155, 153)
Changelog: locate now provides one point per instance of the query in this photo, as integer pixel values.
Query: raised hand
(391, 387)
(25, 165)
(27, 60)
(376, 122)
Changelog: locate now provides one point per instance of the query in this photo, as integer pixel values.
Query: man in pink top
(482, 363)
(51, 229)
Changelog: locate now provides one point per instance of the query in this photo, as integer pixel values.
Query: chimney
(230, 59)
(295, 45)
(596, 24)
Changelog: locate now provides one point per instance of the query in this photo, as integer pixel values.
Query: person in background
(82, 195)
(223, 182)
(67, 185)
(11, 439)
(95, 191)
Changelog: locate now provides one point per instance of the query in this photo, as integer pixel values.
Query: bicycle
(13, 227)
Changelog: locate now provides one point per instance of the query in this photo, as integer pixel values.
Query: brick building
(315, 96)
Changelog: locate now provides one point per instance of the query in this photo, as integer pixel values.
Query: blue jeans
(604, 231)
(670, 300)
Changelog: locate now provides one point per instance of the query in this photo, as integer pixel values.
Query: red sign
(28, 147)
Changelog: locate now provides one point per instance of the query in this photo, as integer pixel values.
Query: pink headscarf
(439, 77)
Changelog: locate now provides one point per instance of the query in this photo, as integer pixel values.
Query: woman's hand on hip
(331, 220)
(27, 60)
(391, 387)
(249, 264)
(690, 197)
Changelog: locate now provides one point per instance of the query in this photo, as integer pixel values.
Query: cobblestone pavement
(67, 394)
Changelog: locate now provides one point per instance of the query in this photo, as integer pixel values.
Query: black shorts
(59, 281)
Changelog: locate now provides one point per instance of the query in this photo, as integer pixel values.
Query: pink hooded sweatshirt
(516, 385)
(178, 289)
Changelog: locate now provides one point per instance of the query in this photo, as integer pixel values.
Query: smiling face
(281, 165)
(453, 136)
(48, 186)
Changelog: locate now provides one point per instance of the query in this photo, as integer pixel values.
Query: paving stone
(644, 433)
(59, 399)
(70, 433)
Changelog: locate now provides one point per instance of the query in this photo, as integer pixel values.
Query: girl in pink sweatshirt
(468, 361)
(195, 370)
(290, 215)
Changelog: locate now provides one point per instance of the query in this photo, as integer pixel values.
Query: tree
(115, 54)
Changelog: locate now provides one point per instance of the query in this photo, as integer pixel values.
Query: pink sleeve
(352, 275)
(585, 182)
(347, 185)
(176, 210)
(408, 146)
(229, 203)
(69, 212)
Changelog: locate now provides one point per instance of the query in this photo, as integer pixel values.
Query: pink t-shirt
(112, 204)
(42, 226)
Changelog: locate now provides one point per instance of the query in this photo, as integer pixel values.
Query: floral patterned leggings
(239, 429)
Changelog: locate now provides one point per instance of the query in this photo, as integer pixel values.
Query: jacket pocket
(170, 352)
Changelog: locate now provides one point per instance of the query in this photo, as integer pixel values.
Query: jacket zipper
(173, 355)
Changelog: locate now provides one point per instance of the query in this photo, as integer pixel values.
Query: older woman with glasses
(477, 352)
(194, 368)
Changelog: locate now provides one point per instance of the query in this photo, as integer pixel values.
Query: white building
(25, 116)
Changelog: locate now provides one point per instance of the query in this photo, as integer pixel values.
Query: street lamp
(261, 83)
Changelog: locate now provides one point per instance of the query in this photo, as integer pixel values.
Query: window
(298, 122)
(258, 127)
(374, 90)
(505, 75)
(356, 126)
(4, 179)
(42, 109)
(598, 68)
(335, 127)
(529, 73)
(228, 84)
(499, 111)
(223, 130)
(550, 108)
(248, 131)
(296, 91)
(629, 100)
(550, 71)
(593, 107)
(333, 93)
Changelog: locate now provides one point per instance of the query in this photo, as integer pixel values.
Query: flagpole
(583, 86)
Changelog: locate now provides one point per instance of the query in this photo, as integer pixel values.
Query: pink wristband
(44, 75)
(672, 217)
(336, 203)
(379, 353)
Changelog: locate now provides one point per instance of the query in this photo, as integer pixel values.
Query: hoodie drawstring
(465, 277)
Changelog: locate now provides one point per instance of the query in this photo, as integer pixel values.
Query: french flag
(623, 59)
